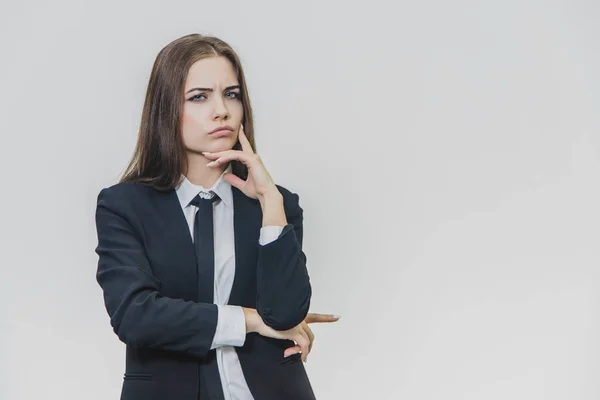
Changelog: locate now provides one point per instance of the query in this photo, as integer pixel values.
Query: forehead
(211, 72)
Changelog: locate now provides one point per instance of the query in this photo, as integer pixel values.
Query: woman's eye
(198, 97)
(232, 95)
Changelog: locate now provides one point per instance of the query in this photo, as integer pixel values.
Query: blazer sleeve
(283, 284)
(139, 314)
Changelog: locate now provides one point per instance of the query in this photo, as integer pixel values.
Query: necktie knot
(202, 198)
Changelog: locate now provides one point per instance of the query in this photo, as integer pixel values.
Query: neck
(199, 174)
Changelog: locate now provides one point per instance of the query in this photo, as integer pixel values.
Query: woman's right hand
(301, 334)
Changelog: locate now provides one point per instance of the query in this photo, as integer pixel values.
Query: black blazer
(147, 271)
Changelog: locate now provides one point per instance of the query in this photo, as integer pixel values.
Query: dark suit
(147, 271)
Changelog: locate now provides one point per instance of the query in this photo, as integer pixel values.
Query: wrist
(273, 210)
(252, 319)
(271, 196)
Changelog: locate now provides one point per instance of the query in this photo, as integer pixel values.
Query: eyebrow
(210, 90)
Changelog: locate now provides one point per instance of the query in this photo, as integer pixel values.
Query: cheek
(237, 111)
(192, 124)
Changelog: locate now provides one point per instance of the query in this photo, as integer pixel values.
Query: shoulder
(123, 195)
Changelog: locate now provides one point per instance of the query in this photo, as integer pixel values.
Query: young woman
(200, 252)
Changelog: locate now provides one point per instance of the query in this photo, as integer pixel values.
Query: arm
(283, 284)
(139, 314)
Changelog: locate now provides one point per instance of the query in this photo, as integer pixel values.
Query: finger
(311, 337)
(303, 341)
(218, 154)
(292, 350)
(212, 156)
(228, 156)
(320, 318)
(234, 180)
(246, 146)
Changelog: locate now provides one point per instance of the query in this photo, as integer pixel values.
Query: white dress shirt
(231, 323)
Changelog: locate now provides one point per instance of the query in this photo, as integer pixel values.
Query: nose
(221, 111)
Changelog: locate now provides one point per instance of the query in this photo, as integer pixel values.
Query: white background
(446, 155)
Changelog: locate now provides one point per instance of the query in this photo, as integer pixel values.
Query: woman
(200, 253)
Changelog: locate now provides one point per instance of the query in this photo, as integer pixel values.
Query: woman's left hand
(259, 181)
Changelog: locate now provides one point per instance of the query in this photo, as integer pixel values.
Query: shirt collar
(186, 190)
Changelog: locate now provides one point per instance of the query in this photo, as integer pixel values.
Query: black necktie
(210, 381)
(205, 247)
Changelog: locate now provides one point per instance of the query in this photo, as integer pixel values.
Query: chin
(215, 147)
(222, 145)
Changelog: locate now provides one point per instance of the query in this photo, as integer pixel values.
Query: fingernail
(206, 152)
(337, 316)
(210, 164)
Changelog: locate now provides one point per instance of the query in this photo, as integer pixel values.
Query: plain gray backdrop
(446, 155)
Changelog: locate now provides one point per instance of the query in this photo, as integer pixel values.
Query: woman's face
(212, 101)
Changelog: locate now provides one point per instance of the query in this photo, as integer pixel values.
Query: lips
(221, 129)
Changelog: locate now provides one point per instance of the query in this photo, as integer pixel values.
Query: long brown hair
(160, 158)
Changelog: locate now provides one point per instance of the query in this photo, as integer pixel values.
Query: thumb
(234, 180)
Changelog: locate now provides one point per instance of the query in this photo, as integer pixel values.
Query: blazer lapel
(175, 236)
(247, 217)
